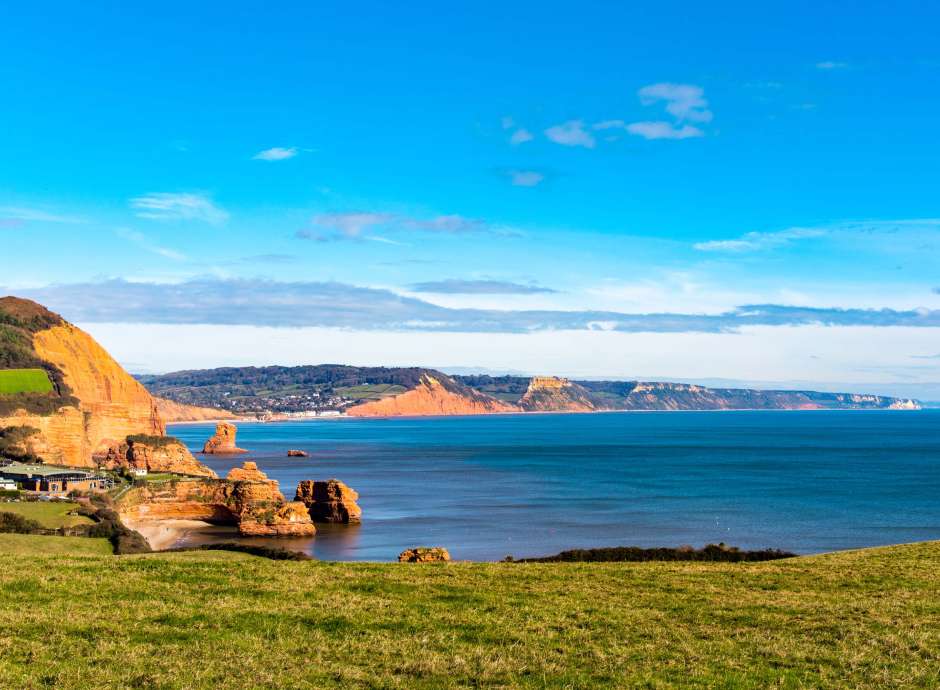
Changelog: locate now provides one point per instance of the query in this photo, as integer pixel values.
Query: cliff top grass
(49, 514)
(213, 619)
(14, 381)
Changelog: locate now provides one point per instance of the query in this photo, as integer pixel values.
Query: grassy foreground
(212, 619)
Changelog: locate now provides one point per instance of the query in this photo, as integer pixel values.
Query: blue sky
(632, 179)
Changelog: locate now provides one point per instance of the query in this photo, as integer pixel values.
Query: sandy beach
(164, 534)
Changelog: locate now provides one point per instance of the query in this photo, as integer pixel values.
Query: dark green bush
(275, 553)
(711, 552)
(13, 523)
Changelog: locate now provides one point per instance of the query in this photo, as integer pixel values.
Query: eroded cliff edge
(93, 405)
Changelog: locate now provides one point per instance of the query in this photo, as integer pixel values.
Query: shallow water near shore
(526, 485)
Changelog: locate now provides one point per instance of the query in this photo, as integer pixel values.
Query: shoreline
(250, 420)
(164, 534)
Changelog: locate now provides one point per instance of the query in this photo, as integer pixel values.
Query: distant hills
(384, 391)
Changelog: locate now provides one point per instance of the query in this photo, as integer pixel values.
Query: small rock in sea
(424, 554)
(298, 454)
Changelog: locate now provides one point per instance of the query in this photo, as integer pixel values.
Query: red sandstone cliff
(106, 404)
(432, 397)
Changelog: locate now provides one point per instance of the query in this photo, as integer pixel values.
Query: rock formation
(432, 397)
(223, 442)
(248, 472)
(329, 501)
(246, 498)
(552, 394)
(95, 406)
(298, 454)
(154, 454)
(172, 411)
(424, 554)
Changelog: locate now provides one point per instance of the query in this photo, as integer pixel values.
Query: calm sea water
(525, 485)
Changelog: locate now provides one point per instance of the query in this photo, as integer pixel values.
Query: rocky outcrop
(288, 520)
(154, 454)
(432, 397)
(96, 405)
(223, 442)
(298, 454)
(552, 394)
(247, 499)
(424, 554)
(171, 411)
(329, 501)
(248, 472)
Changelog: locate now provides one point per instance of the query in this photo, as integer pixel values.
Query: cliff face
(551, 394)
(432, 397)
(171, 411)
(97, 404)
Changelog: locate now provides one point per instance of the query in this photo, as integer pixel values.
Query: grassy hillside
(51, 515)
(24, 381)
(855, 619)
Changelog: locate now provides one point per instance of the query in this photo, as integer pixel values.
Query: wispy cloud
(338, 305)
(144, 243)
(831, 64)
(179, 206)
(758, 241)
(22, 213)
(520, 136)
(277, 153)
(685, 102)
(571, 133)
(526, 178)
(479, 287)
(663, 130)
(358, 225)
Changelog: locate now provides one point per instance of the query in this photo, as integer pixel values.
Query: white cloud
(526, 178)
(277, 153)
(663, 130)
(683, 101)
(357, 225)
(144, 243)
(520, 136)
(179, 206)
(36, 215)
(571, 133)
(831, 64)
(758, 241)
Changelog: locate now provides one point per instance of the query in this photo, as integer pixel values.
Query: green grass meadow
(861, 619)
(51, 514)
(14, 381)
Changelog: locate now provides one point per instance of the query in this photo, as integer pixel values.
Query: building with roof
(53, 479)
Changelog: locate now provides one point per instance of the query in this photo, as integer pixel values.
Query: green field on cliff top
(14, 381)
(213, 619)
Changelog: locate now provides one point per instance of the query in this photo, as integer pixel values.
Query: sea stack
(329, 501)
(223, 442)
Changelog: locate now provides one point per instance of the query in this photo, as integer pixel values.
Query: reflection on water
(332, 542)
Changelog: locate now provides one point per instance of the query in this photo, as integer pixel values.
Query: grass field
(28, 545)
(371, 391)
(24, 381)
(192, 620)
(48, 514)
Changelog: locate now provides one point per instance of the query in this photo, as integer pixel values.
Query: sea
(486, 487)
